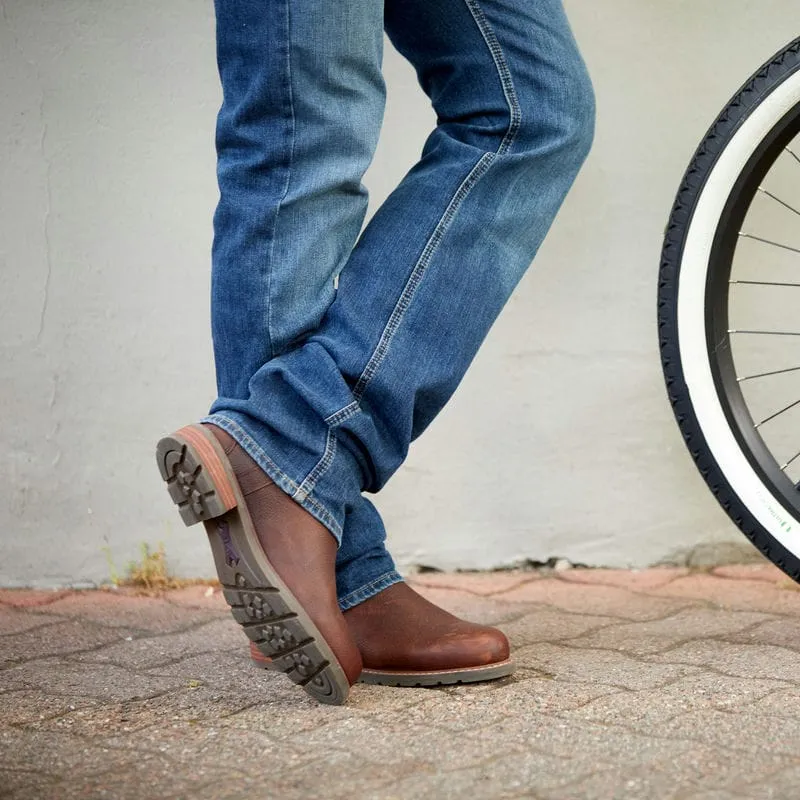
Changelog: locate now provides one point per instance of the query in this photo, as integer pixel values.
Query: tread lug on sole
(189, 484)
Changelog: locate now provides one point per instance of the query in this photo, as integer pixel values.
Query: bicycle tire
(764, 111)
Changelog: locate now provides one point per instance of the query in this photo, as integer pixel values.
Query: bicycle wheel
(729, 309)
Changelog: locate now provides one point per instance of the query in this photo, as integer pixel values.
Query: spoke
(763, 283)
(778, 200)
(790, 462)
(792, 154)
(767, 374)
(778, 413)
(768, 333)
(768, 241)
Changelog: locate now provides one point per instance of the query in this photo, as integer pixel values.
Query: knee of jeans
(559, 119)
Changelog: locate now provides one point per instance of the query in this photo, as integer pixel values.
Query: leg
(336, 414)
(303, 100)
(302, 109)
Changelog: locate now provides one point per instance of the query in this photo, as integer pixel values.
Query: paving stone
(55, 755)
(635, 580)
(386, 699)
(589, 746)
(595, 600)
(780, 632)
(200, 596)
(751, 572)
(479, 583)
(544, 624)
(99, 681)
(26, 783)
(777, 786)
(113, 721)
(286, 714)
(70, 636)
(745, 731)
(30, 598)
(249, 751)
(745, 595)
(605, 667)
(646, 709)
(30, 706)
(13, 621)
(642, 638)
(509, 776)
(463, 709)
(342, 774)
(230, 670)
(151, 652)
(782, 702)
(695, 769)
(117, 609)
(386, 742)
(144, 777)
(742, 660)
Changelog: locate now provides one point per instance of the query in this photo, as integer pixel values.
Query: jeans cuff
(284, 481)
(370, 590)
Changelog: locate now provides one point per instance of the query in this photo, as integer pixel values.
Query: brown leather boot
(275, 561)
(405, 640)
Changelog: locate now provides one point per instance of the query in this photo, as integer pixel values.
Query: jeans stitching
(417, 273)
(273, 470)
(307, 486)
(503, 71)
(365, 591)
(343, 414)
(514, 123)
(288, 175)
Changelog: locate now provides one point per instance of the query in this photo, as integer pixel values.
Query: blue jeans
(335, 350)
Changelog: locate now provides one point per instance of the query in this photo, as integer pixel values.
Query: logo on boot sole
(231, 556)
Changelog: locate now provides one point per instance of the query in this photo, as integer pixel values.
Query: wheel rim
(754, 354)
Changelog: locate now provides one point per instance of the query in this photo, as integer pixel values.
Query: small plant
(112, 567)
(151, 572)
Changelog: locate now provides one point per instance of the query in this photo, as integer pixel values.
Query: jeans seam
(310, 481)
(503, 72)
(343, 414)
(288, 175)
(255, 451)
(417, 273)
(384, 582)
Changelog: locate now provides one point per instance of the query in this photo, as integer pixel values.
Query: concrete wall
(560, 441)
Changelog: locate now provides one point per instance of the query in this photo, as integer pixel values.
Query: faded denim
(335, 350)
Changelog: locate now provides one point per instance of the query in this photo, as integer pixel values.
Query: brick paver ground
(653, 684)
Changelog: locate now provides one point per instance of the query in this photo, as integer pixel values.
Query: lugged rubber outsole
(445, 677)
(412, 679)
(201, 483)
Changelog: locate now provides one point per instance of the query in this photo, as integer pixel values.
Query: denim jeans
(336, 347)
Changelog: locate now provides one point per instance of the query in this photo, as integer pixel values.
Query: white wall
(560, 441)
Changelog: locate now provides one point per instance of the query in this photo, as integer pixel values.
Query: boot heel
(190, 464)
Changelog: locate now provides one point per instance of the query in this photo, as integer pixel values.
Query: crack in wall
(45, 225)
(45, 301)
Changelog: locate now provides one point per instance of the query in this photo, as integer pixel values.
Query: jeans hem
(290, 486)
(369, 590)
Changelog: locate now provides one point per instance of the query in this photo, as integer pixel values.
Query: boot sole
(201, 482)
(443, 677)
(412, 679)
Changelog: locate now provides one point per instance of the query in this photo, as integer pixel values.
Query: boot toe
(490, 647)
